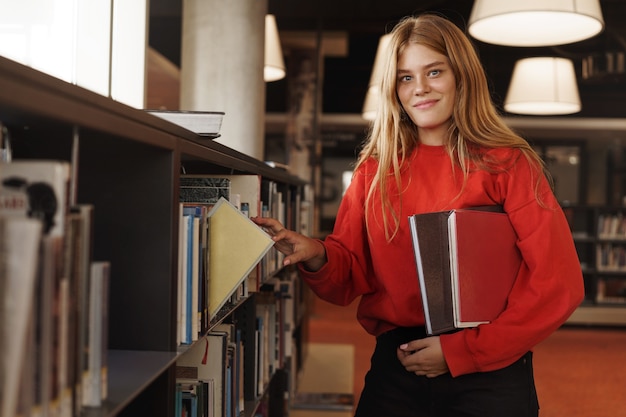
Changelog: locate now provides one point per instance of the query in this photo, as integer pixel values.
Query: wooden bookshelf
(128, 165)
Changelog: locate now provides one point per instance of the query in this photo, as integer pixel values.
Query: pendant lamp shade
(274, 68)
(372, 97)
(535, 22)
(543, 86)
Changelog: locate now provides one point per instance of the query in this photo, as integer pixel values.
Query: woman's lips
(426, 104)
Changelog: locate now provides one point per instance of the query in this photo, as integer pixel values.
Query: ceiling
(345, 78)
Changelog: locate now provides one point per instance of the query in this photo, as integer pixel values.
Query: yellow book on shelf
(236, 245)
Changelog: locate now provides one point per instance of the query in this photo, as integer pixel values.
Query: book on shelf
(611, 257)
(206, 361)
(193, 273)
(248, 334)
(467, 261)
(203, 189)
(273, 202)
(611, 291)
(203, 123)
(284, 290)
(242, 190)
(36, 188)
(236, 245)
(269, 323)
(192, 398)
(183, 336)
(239, 189)
(612, 225)
(78, 253)
(69, 304)
(193, 286)
(72, 291)
(19, 251)
(234, 396)
(95, 380)
(24, 385)
(48, 317)
(39, 189)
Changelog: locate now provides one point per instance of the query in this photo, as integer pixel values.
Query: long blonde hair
(475, 122)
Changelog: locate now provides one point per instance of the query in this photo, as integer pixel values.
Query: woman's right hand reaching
(295, 246)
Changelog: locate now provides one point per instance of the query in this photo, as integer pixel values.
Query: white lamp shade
(274, 68)
(372, 97)
(535, 22)
(543, 86)
(370, 105)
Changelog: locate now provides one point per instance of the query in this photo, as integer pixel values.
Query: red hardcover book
(467, 261)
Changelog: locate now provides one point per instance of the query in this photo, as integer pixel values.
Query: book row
(611, 291)
(54, 305)
(610, 257)
(231, 366)
(612, 226)
(223, 255)
(53, 295)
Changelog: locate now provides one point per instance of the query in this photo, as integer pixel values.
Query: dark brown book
(467, 261)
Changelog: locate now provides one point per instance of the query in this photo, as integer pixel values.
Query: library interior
(140, 138)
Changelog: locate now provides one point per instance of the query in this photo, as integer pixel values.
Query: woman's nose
(421, 86)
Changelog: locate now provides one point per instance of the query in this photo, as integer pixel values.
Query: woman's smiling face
(426, 88)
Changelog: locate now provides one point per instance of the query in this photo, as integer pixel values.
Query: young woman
(439, 144)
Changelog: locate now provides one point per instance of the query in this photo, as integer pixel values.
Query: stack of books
(467, 261)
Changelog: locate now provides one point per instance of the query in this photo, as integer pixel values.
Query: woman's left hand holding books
(423, 357)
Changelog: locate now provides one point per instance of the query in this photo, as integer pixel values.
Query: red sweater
(548, 288)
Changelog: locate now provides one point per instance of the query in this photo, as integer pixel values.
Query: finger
(413, 346)
(402, 353)
(268, 223)
(294, 257)
(405, 359)
(278, 232)
(275, 229)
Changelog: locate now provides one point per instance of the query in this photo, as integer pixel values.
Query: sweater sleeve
(548, 288)
(344, 277)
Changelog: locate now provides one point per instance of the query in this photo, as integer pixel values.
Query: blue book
(188, 295)
(199, 267)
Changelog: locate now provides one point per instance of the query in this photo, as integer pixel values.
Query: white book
(203, 123)
(19, 251)
(185, 335)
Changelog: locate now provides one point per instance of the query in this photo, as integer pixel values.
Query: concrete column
(304, 146)
(222, 67)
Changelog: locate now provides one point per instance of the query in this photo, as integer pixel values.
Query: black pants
(392, 391)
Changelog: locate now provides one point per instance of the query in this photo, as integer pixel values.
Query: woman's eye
(405, 78)
(434, 73)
